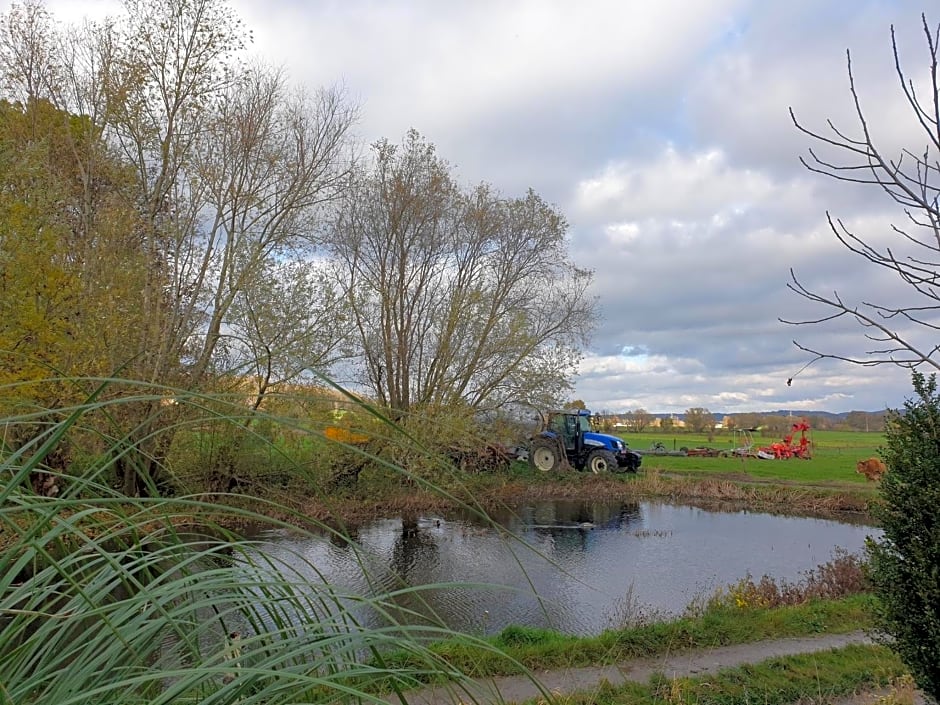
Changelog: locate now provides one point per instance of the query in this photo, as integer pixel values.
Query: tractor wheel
(601, 461)
(543, 455)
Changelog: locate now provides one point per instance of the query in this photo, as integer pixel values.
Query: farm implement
(791, 446)
(788, 448)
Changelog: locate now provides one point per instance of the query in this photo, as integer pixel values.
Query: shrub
(840, 577)
(905, 562)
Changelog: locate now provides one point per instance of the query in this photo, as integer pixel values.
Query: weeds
(842, 576)
(901, 691)
(628, 612)
(816, 677)
(520, 648)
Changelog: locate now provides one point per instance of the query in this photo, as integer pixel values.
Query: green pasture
(834, 455)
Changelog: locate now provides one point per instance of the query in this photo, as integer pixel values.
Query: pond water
(577, 567)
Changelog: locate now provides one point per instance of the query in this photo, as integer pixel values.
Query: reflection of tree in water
(414, 557)
(568, 524)
(600, 515)
(414, 547)
(342, 536)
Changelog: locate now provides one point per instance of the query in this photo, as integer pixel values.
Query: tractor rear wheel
(601, 461)
(543, 455)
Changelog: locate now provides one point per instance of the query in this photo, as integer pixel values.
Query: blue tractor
(567, 438)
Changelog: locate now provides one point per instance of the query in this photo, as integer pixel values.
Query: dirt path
(511, 689)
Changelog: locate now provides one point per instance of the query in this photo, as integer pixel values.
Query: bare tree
(638, 420)
(459, 298)
(905, 333)
(29, 60)
(699, 419)
(268, 162)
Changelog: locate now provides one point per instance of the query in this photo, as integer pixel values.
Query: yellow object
(344, 435)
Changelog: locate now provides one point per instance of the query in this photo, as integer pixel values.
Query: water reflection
(562, 564)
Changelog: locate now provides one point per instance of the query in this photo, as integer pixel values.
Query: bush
(840, 577)
(905, 563)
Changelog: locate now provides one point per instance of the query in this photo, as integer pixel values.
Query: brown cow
(872, 469)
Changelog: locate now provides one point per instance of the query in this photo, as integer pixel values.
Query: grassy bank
(519, 649)
(818, 677)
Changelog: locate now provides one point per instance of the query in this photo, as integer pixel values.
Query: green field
(834, 456)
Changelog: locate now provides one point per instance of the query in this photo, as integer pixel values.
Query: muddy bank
(709, 493)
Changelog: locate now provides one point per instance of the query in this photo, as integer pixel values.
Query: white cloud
(680, 187)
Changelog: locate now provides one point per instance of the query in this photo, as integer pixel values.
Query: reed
(108, 598)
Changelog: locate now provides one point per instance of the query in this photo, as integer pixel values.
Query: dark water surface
(573, 566)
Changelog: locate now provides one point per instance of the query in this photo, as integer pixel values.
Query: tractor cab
(571, 427)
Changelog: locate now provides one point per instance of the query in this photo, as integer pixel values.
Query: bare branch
(911, 182)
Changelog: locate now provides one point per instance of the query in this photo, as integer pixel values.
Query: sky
(662, 131)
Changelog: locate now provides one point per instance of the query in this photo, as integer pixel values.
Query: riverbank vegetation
(834, 598)
(826, 483)
(172, 604)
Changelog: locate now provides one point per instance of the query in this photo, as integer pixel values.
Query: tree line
(178, 214)
(701, 420)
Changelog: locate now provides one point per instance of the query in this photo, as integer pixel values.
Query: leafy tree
(699, 419)
(289, 321)
(459, 297)
(71, 266)
(905, 562)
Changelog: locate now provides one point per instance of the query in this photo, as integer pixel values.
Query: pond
(577, 567)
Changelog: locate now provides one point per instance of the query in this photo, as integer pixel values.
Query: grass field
(834, 456)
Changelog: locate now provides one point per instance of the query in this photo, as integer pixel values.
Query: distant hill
(779, 412)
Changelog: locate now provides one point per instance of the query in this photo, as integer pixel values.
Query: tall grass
(107, 598)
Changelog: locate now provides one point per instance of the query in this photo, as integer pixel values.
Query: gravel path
(510, 689)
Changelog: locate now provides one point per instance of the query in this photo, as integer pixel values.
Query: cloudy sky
(661, 129)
